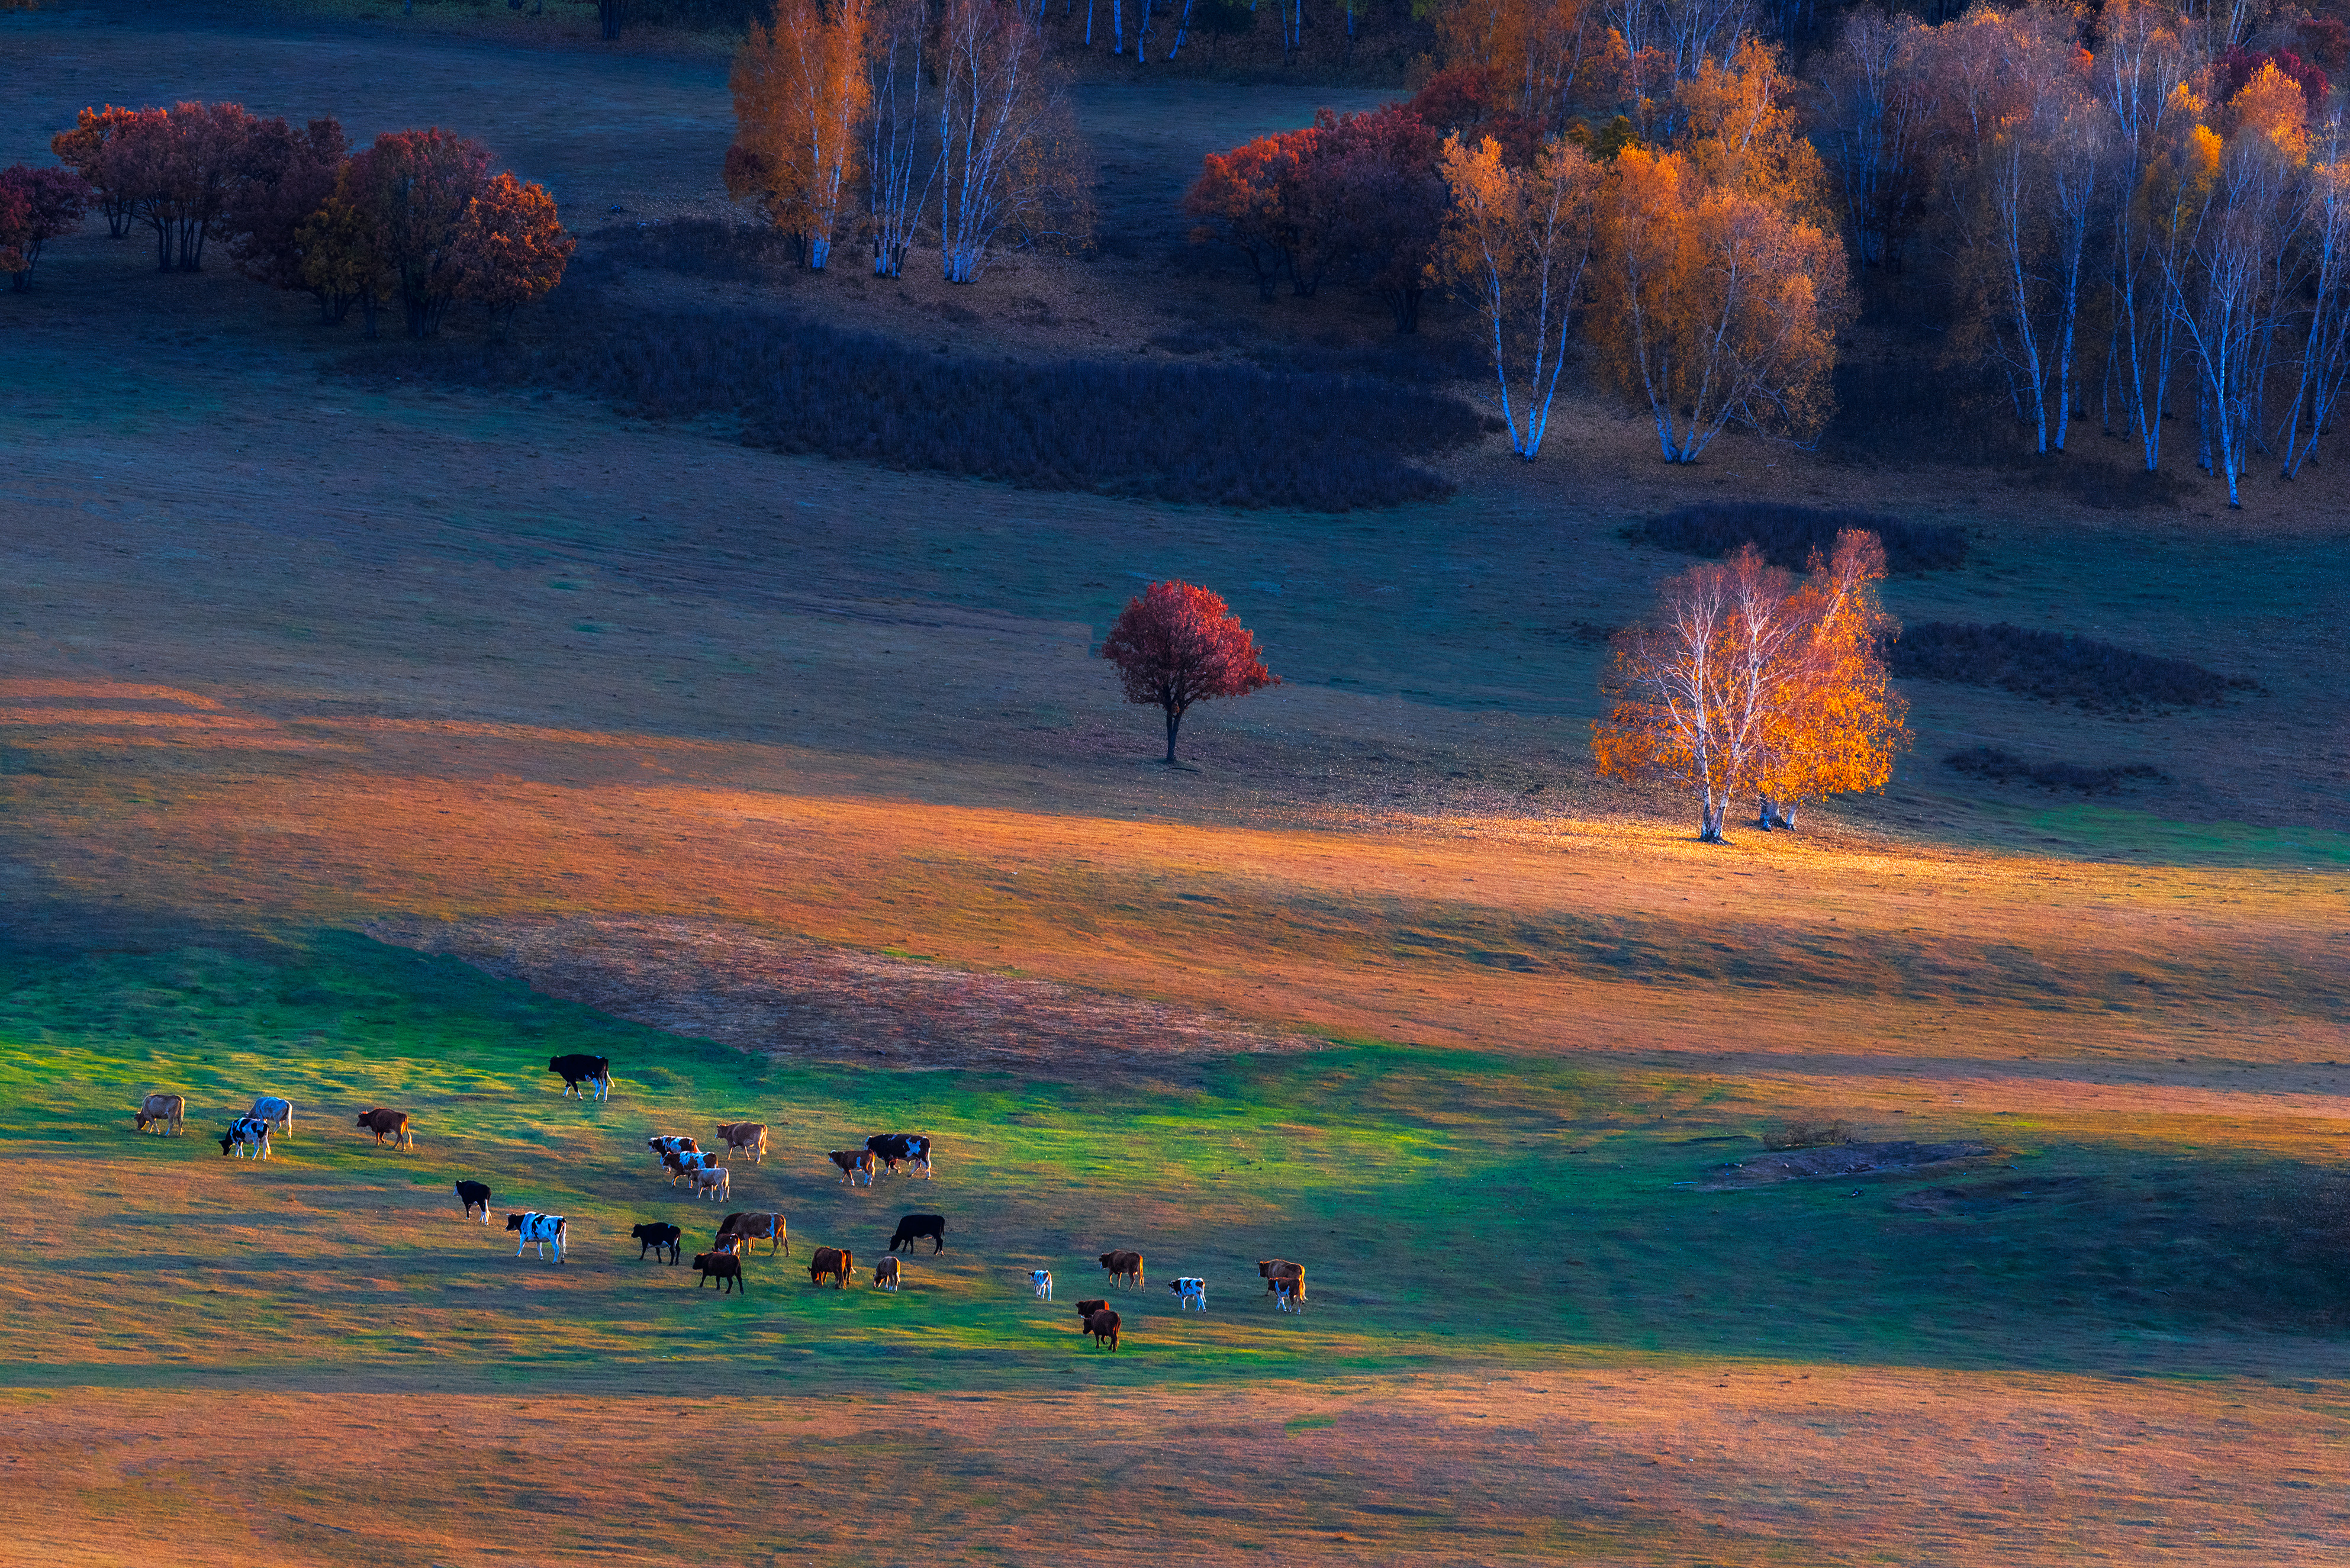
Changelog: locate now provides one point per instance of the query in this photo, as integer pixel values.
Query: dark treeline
(2056, 667)
(1790, 535)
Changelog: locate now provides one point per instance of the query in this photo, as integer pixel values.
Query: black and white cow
(594, 1071)
(539, 1230)
(476, 1195)
(1191, 1291)
(913, 1148)
(663, 1147)
(246, 1136)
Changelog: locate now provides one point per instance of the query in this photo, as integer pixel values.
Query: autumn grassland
(370, 742)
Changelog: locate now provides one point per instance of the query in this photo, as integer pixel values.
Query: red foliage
(1467, 101)
(511, 249)
(2231, 70)
(289, 175)
(2325, 41)
(417, 186)
(1175, 645)
(1249, 197)
(37, 205)
(1375, 203)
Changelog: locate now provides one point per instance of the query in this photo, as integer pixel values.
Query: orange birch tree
(1837, 722)
(801, 93)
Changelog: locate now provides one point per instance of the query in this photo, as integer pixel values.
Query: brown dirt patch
(790, 997)
(1842, 1160)
(1989, 1197)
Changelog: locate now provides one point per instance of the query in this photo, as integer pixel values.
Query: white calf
(270, 1108)
(711, 1182)
(1043, 1280)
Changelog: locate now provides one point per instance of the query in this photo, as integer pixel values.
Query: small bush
(2057, 667)
(2006, 767)
(1808, 1135)
(1788, 534)
(1218, 435)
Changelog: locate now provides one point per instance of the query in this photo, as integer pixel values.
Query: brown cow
(885, 1276)
(1085, 1311)
(1103, 1325)
(838, 1262)
(168, 1111)
(751, 1136)
(851, 1162)
(1272, 1271)
(392, 1125)
(723, 1267)
(1123, 1266)
(756, 1227)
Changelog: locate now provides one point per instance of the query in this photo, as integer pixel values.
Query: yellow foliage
(1745, 132)
(801, 92)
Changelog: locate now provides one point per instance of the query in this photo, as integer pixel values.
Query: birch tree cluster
(898, 123)
(2141, 214)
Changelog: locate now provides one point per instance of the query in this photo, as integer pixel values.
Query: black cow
(724, 1267)
(596, 1072)
(913, 1228)
(476, 1195)
(654, 1239)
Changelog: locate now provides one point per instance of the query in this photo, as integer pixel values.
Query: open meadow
(371, 741)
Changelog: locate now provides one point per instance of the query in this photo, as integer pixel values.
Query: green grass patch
(2105, 829)
(1449, 1208)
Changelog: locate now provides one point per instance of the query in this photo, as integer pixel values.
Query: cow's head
(513, 1221)
(228, 1142)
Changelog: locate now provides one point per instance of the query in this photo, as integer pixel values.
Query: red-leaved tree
(511, 248)
(416, 186)
(37, 205)
(1175, 645)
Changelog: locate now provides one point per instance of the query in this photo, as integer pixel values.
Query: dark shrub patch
(1219, 434)
(1788, 534)
(2006, 767)
(695, 247)
(2101, 677)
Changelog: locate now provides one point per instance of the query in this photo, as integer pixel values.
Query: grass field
(371, 747)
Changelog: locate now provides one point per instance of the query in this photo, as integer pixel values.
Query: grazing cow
(247, 1134)
(540, 1230)
(1289, 1292)
(724, 1267)
(913, 1228)
(668, 1146)
(656, 1238)
(711, 1182)
(1191, 1291)
(392, 1125)
(593, 1072)
(1272, 1271)
(1043, 1280)
(751, 1136)
(1086, 1310)
(836, 1262)
(683, 1166)
(749, 1227)
(853, 1162)
(885, 1276)
(476, 1195)
(166, 1111)
(1103, 1325)
(270, 1108)
(1123, 1266)
(914, 1148)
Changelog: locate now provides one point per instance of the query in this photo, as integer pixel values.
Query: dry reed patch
(1845, 1159)
(766, 993)
(1651, 1464)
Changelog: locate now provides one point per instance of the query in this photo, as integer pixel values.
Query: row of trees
(2132, 198)
(1749, 680)
(37, 205)
(853, 115)
(415, 219)
(1714, 281)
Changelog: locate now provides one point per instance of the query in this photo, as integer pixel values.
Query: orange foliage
(511, 248)
(1744, 131)
(801, 92)
(1746, 682)
(1714, 304)
(1541, 54)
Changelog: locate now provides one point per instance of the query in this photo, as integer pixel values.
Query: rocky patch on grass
(1842, 1160)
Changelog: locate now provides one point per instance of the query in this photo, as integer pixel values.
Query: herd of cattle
(705, 1175)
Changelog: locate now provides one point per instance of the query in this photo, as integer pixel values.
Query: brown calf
(885, 1276)
(723, 1267)
(839, 1262)
(853, 1163)
(167, 1111)
(1103, 1325)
